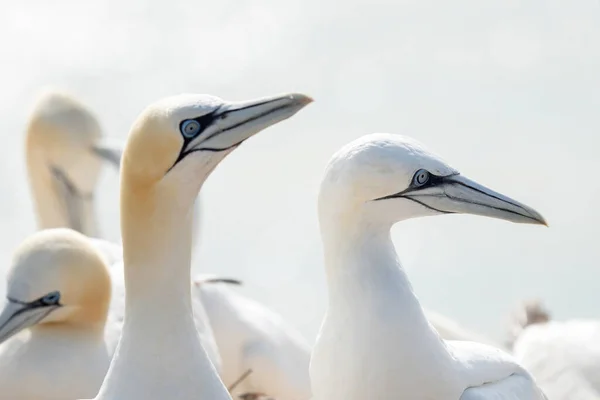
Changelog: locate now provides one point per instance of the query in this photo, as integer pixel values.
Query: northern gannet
(55, 346)
(65, 150)
(59, 286)
(250, 337)
(375, 341)
(563, 356)
(172, 148)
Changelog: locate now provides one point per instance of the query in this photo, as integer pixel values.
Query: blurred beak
(109, 151)
(235, 122)
(458, 194)
(16, 316)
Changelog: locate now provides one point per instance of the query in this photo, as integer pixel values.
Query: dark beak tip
(542, 221)
(301, 99)
(538, 222)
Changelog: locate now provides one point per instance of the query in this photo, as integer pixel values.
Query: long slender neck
(53, 209)
(159, 353)
(368, 285)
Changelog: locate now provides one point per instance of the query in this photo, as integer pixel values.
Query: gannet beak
(109, 151)
(233, 123)
(16, 316)
(458, 194)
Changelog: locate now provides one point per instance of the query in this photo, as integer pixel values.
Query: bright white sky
(507, 91)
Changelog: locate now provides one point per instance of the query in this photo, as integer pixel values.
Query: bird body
(50, 364)
(58, 294)
(171, 149)
(251, 337)
(64, 153)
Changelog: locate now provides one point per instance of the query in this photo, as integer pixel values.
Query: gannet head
(176, 143)
(65, 152)
(65, 135)
(388, 178)
(56, 276)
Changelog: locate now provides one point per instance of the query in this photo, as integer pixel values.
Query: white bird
(59, 286)
(563, 356)
(276, 354)
(375, 341)
(64, 152)
(172, 148)
(250, 337)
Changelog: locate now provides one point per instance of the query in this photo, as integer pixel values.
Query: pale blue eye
(421, 177)
(51, 298)
(190, 128)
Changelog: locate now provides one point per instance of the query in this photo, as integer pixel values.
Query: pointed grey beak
(16, 316)
(458, 194)
(233, 123)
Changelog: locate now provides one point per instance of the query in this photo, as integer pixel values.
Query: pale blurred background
(507, 91)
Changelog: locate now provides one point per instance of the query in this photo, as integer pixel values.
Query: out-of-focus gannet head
(176, 143)
(57, 277)
(530, 312)
(64, 151)
(385, 178)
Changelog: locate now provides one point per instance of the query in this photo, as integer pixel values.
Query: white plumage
(66, 354)
(276, 353)
(64, 155)
(251, 337)
(172, 148)
(563, 356)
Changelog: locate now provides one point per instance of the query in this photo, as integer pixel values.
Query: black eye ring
(52, 298)
(190, 128)
(421, 178)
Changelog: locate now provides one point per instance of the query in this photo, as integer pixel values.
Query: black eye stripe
(433, 180)
(50, 299)
(205, 121)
